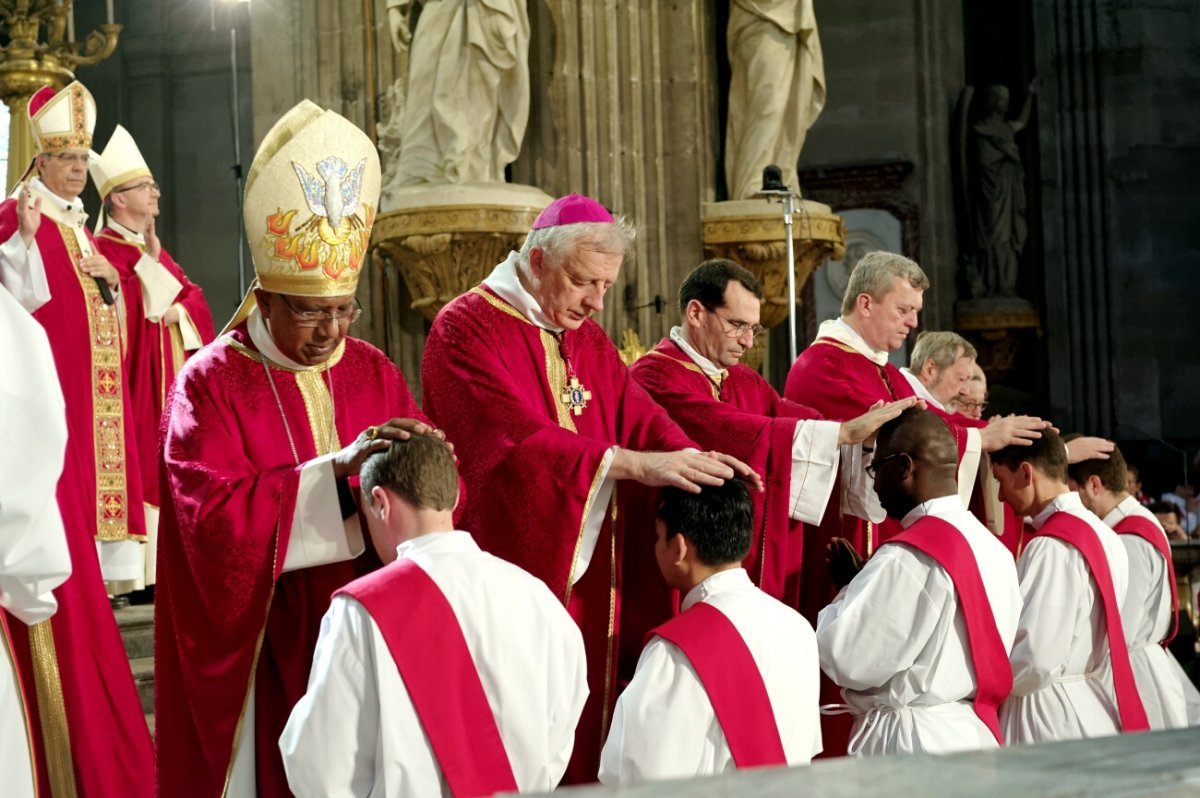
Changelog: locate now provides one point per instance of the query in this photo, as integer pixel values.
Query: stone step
(137, 630)
(143, 678)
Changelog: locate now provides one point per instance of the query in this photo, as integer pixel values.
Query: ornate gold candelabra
(42, 51)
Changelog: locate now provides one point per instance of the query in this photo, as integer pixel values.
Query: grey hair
(943, 348)
(561, 242)
(873, 276)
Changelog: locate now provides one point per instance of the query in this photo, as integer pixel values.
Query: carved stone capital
(445, 240)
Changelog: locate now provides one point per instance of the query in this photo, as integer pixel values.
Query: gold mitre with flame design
(62, 120)
(120, 162)
(311, 197)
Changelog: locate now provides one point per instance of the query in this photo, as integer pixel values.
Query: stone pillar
(624, 110)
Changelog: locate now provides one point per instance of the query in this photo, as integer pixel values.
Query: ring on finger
(372, 433)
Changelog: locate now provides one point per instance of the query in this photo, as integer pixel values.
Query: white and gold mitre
(120, 162)
(62, 120)
(311, 196)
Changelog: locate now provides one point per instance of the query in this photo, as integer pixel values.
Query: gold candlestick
(41, 53)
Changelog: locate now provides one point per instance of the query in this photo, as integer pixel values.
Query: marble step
(137, 630)
(143, 678)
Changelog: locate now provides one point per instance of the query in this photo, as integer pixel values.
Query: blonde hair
(873, 275)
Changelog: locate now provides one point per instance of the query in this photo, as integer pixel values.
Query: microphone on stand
(775, 190)
(773, 181)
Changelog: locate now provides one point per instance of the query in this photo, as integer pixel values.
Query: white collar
(68, 211)
(840, 331)
(940, 507)
(127, 233)
(1068, 502)
(1125, 508)
(679, 336)
(920, 390)
(507, 285)
(720, 582)
(449, 542)
(260, 335)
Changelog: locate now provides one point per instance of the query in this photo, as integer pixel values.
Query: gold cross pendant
(576, 396)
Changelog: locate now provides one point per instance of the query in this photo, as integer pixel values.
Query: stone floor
(1160, 764)
(137, 632)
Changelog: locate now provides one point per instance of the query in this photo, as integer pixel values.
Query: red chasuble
(732, 681)
(429, 649)
(224, 611)
(1147, 530)
(156, 350)
(1076, 532)
(746, 418)
(941, 541)
(79, 690)
(498, 386)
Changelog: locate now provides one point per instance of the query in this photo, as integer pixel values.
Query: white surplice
(1146, 617)
(33, 545)
(1062, 677)
(817, 459)
(664, 726)
(356, 733)
(896, 643)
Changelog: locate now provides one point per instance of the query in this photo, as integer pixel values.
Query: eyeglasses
(152, 186)
(739, 328)
(315, 318)
(980, 406)
(875, 465)
(70, 157)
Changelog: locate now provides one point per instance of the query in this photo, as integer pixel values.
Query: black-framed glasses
(980, 406)
(875, 465)
(152, 186)
(315, 318)
(739, 328)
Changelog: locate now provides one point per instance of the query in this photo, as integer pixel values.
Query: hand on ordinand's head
(915, 460)
(702, 533)
(409, 485)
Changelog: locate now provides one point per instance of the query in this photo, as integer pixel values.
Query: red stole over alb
(943, 542)
(732, 680)
(427, 644)
(1078, 533)
(1147, 530)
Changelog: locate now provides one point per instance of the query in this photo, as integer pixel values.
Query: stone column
(624, 110)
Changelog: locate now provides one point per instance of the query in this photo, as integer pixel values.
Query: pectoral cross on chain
(576, 396)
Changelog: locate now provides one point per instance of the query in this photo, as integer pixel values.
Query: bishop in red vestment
(168, 317)
(88, 723)
(547, 418)
(263, 431)
(696, 375)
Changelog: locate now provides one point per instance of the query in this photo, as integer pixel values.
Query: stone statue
(463, 114)
(998, 194)
(776, 90)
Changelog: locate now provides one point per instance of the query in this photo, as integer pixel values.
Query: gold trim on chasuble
(318, 406)
(108, 407)
(52, 711)
(11, 655)
(175, 358)
(712, 386)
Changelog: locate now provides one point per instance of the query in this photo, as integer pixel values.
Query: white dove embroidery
(335, 194)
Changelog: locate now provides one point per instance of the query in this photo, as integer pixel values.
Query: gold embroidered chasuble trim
(108, 406)
(318, 406)
(52, 711)
(712, 386)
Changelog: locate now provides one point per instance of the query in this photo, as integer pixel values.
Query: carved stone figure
(463, 113)
(998, 190)
(776, 90)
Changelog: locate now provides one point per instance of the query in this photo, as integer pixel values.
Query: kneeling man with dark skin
(919, 637)
(412, 659)
(1072, 677)
(731, 682)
